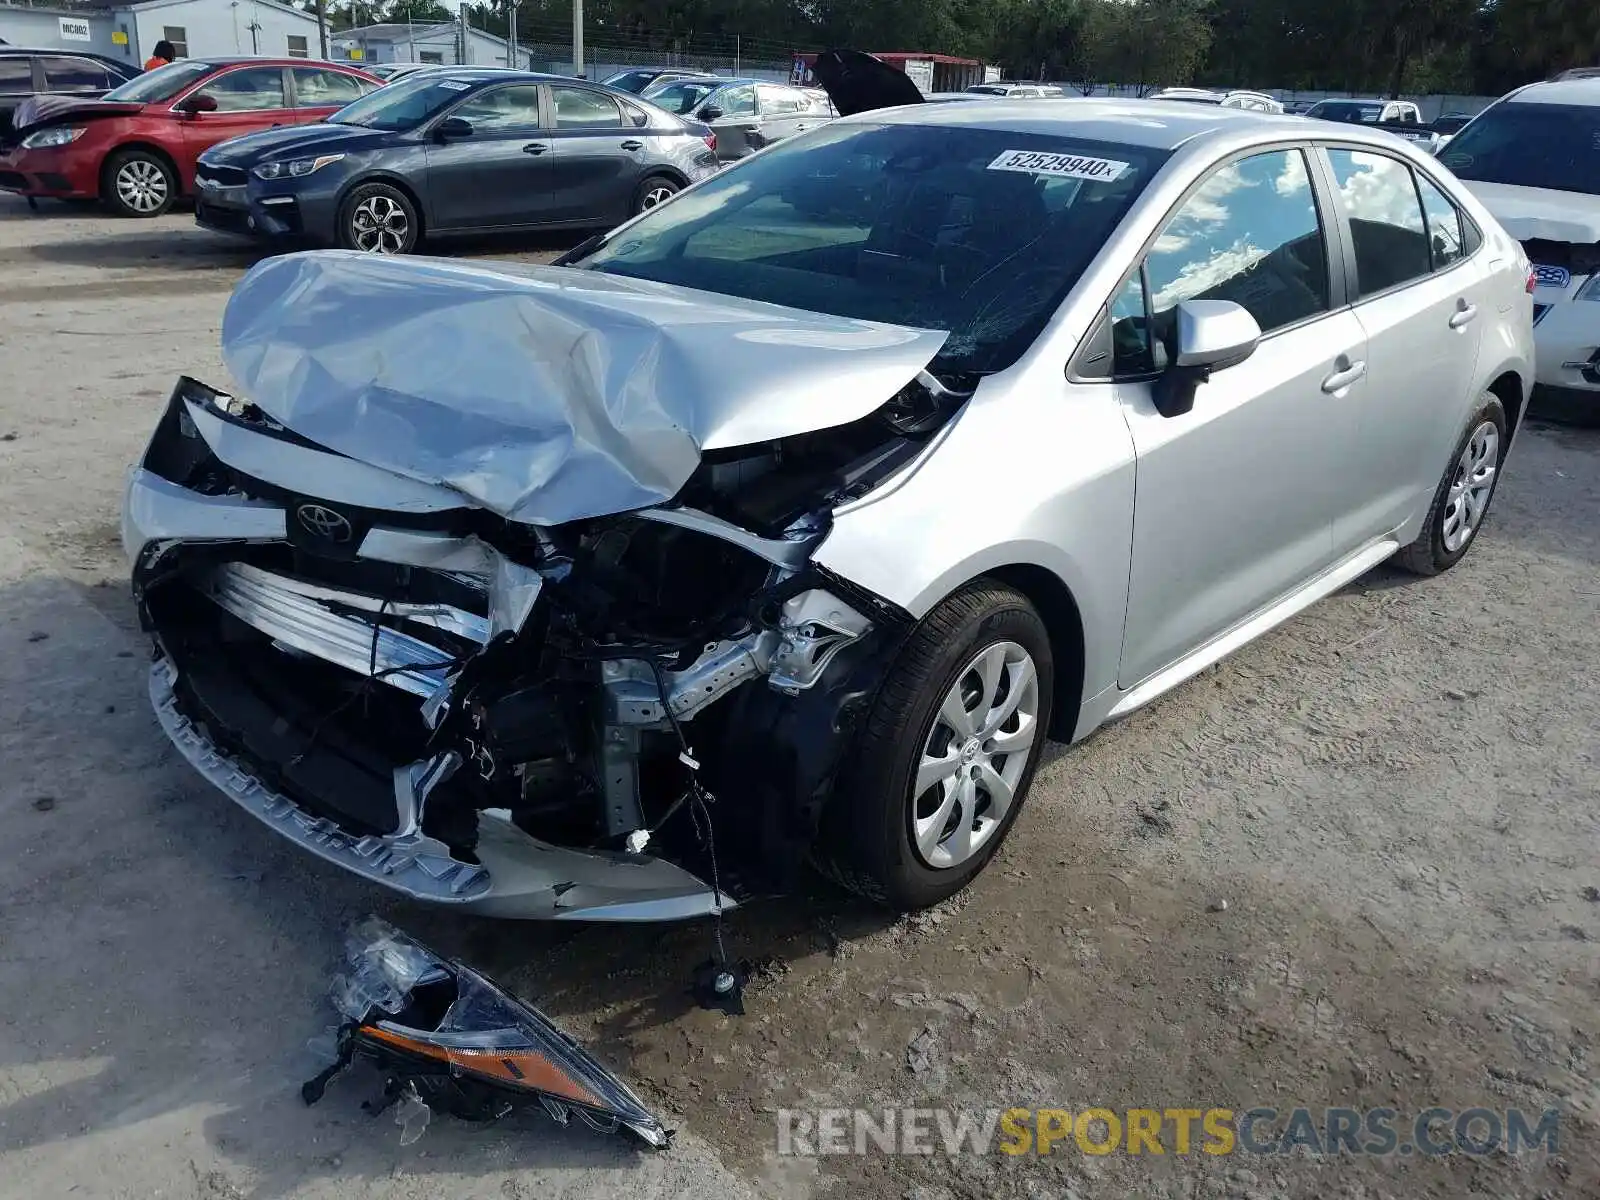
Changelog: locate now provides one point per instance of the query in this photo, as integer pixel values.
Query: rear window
(975, 231)
(1348, 111)
(1554, 146)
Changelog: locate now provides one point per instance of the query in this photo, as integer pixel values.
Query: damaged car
(1533, 158)
(782, 524)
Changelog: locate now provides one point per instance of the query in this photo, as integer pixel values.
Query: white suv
(1533, 158)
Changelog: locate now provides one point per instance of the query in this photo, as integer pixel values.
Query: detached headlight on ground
(446, 1037)
(294, 168)
(61, 135)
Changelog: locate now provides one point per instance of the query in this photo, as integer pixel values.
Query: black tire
(1428, 555)
(657, 189)
(137, 183)
(866, 843)
(378, 218)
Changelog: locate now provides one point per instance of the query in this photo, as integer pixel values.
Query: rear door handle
(1464, 312)
(630, 144)
(750, 128)
(1344, 375)
(535, 148)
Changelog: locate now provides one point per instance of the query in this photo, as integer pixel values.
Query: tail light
(711, 142)
(1533, 280)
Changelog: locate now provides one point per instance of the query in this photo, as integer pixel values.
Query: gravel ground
(1354, 865)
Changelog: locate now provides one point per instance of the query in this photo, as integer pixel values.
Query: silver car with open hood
(782, 524)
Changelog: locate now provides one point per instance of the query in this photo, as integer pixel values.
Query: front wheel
(943, 765)
(378, 219)
(1462, 499)
(136, 183)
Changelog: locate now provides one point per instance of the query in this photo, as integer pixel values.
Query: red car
(135, 148)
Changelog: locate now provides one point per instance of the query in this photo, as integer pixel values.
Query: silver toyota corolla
(783, 524)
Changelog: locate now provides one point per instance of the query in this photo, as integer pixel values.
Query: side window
(502, 108)
(1250, 234)
(776, 101)
(1380, 200)
(579, 108)
(74, 75)
(1444, 225)
(315, 87)
(16, 75)
(247, 90)
(1131, 352)
(737, 101)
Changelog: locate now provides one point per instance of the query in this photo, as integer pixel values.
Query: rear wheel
(945, 761)
(378, 219)
(658, 189)
(1462, 499)
(137, 183)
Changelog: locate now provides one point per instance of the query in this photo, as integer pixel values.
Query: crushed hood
(1530, 214)
(41, 110)
(544, 394)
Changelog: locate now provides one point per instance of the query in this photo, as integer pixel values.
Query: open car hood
(38, 111)
(857, 82)
(544, 394)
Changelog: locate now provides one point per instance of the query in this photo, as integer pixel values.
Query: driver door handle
(1464, 312)
(631, 144)
(535, 148)
(1344, 374)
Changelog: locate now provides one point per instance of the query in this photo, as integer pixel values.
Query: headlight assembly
(60, 135)
(294, 168)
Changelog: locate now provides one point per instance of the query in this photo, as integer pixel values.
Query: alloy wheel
(141, 186)
(974, 756)
(379, 225)
(659, 194)
(1471, 486)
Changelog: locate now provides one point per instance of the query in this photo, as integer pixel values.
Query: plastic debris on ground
(448, 1039)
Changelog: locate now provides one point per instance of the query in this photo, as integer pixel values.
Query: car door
(498, 173)
(248, 98)
(734, 118)
(320, 92)
(783, 112)
(1233, 497)
(599, 156)
(1423, 305)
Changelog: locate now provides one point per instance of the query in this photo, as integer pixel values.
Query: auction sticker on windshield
(1066, 166)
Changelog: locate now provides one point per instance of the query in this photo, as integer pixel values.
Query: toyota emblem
(324, 522)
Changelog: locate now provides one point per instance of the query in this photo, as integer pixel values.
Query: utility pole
(577, 38)
(322, 29)
(511, 34)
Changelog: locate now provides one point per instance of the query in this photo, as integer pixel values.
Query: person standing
(160, 56)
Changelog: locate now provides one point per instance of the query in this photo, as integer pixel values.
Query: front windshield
(403, 104)
(975, 231)
(161, 84)
(631, 81)
(1554, 146)
(1344, 110)
(682, 97)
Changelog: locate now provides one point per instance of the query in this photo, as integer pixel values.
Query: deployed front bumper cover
(516, 875)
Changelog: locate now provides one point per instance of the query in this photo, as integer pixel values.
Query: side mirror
(1209, 335)
(711, 113)
(199, 102)
(452, 129)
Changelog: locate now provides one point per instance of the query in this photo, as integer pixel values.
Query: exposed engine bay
(489, 712)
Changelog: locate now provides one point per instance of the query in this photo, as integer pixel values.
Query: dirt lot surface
(1354, 865)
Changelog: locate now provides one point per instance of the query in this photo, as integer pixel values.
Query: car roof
(61, 51)
(260, 60)
(1559, 91)
(1156, 124)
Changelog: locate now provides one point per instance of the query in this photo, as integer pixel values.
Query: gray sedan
(830, 488)
(745, 114)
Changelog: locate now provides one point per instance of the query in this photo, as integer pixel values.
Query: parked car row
(328, 153)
